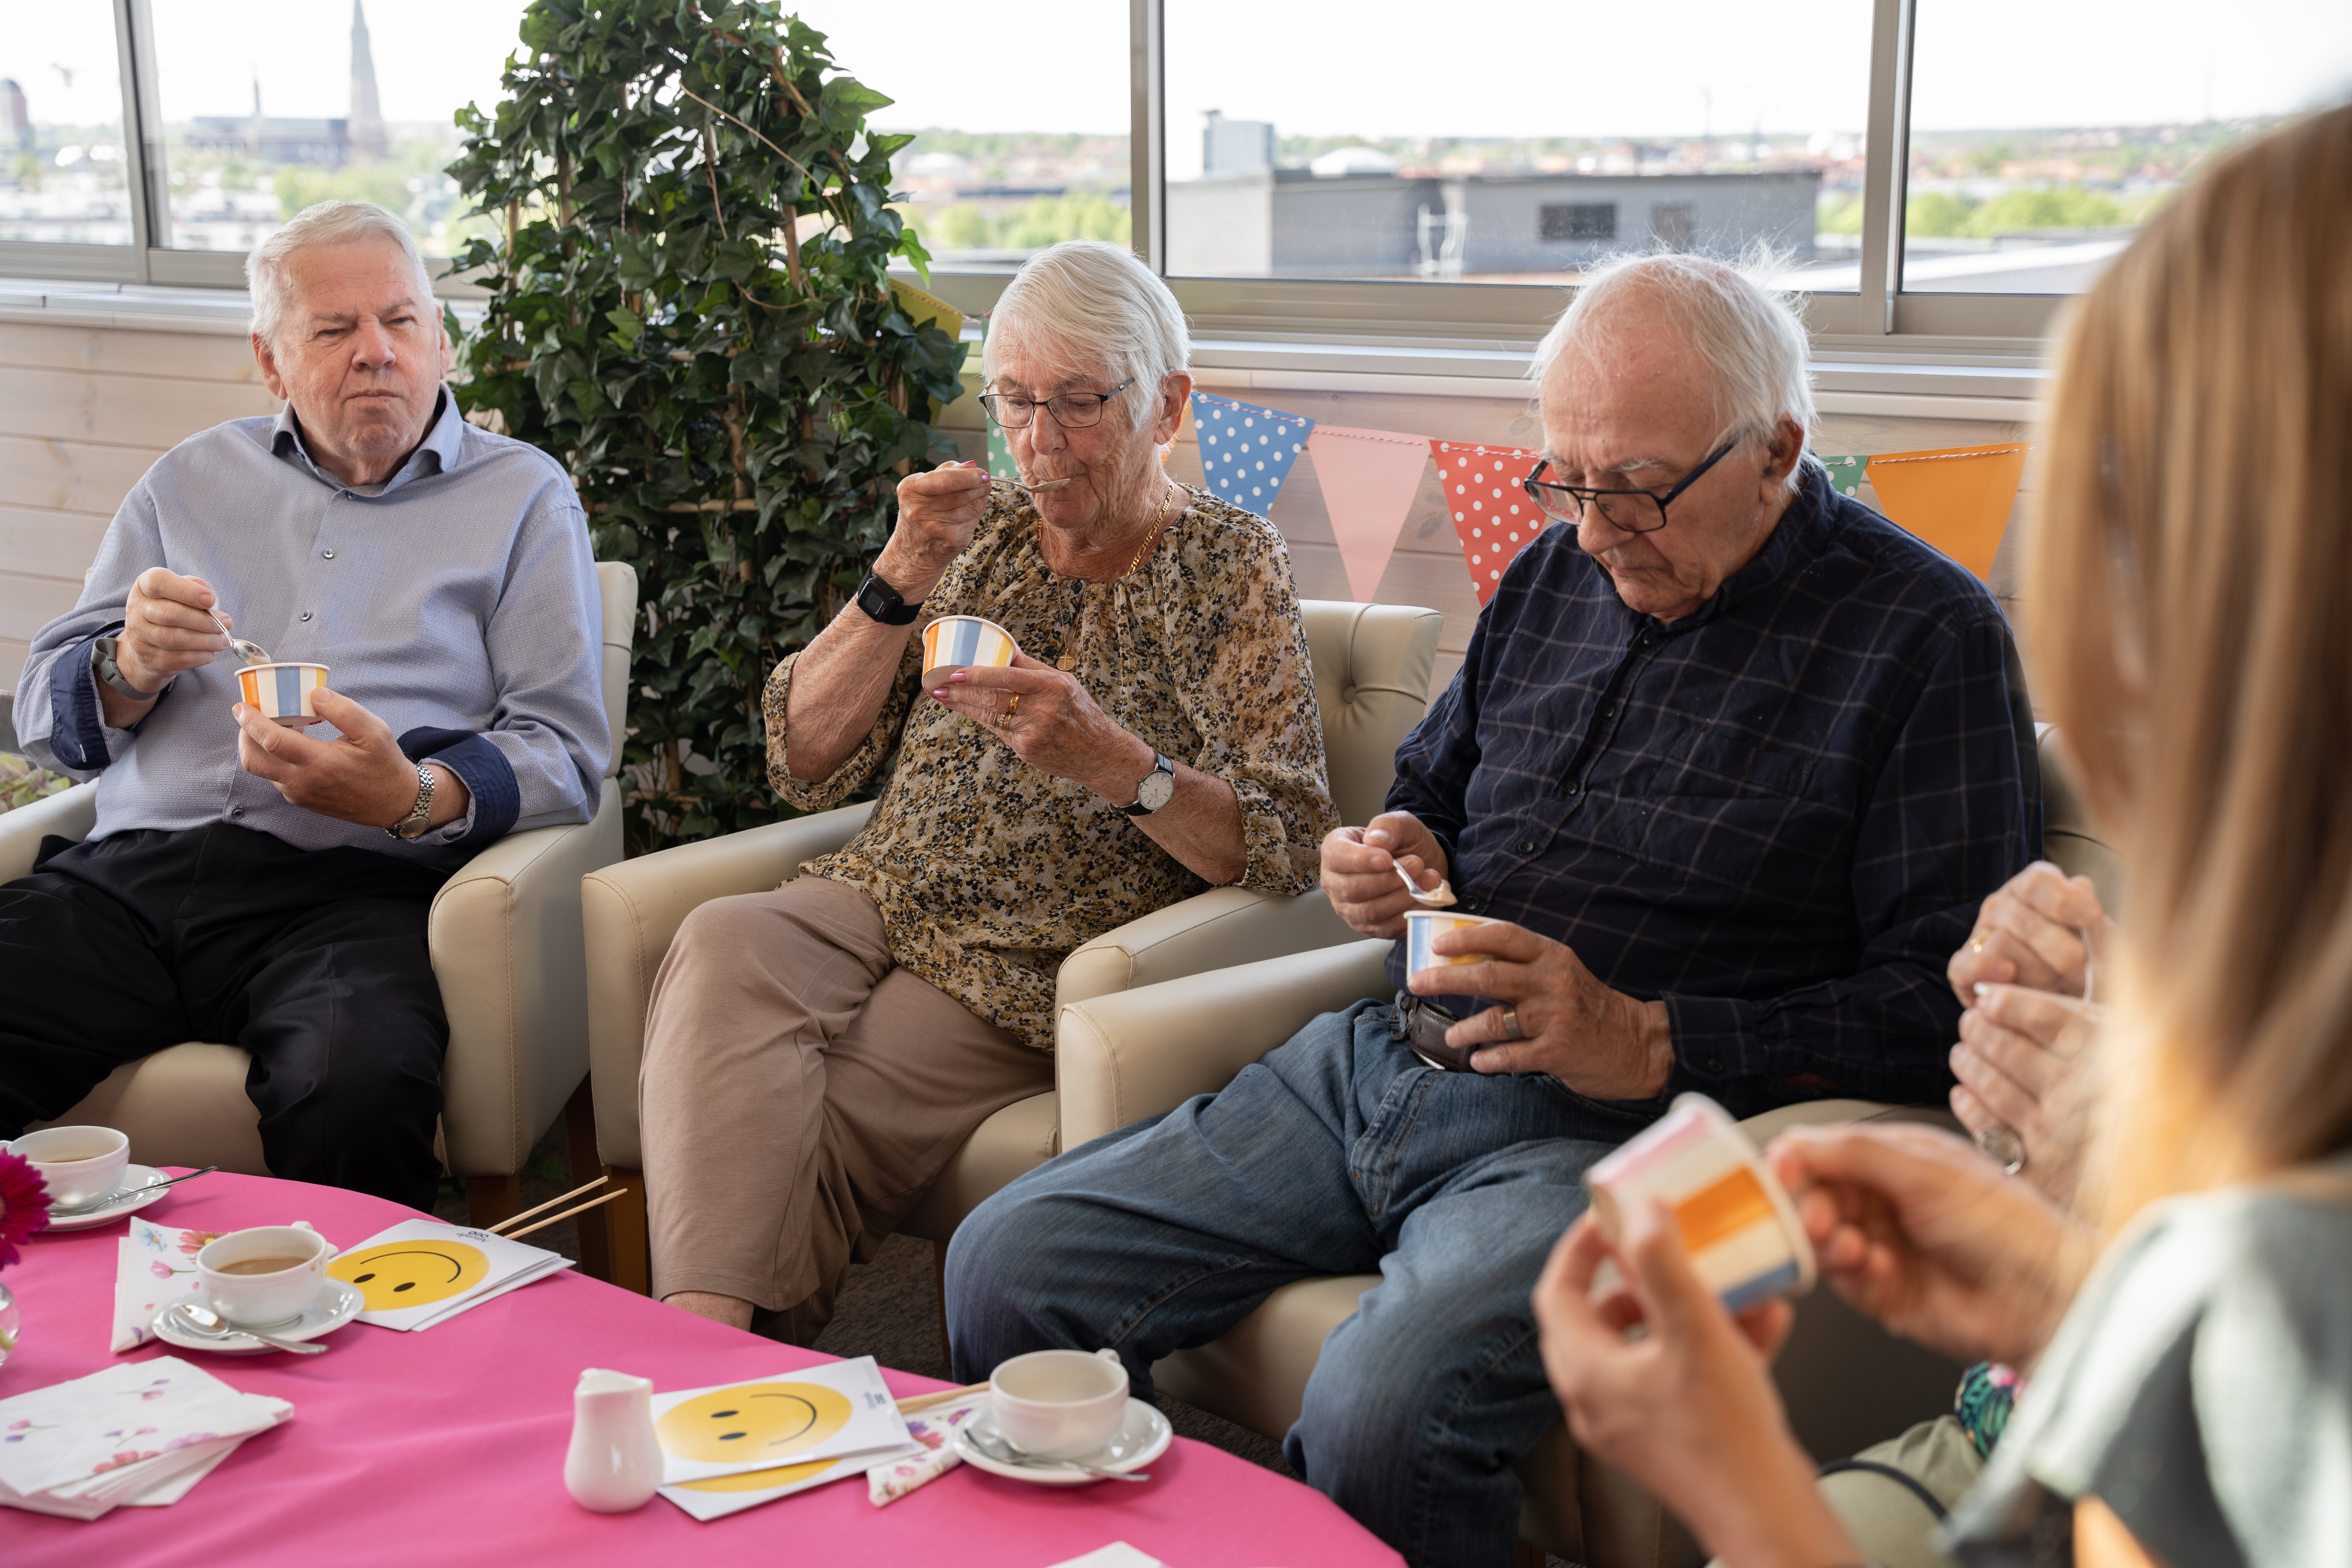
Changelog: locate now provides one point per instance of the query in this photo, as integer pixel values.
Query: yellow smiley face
(412, 1273)
(753, 1421)
(761, 1480)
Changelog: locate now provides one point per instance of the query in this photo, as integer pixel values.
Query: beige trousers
(800, 1093)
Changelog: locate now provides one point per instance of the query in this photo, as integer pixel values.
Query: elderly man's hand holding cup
(360, 776)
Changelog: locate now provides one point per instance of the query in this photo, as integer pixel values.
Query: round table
(446, 1446)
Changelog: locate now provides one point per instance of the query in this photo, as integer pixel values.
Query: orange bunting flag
(1957, 499)
(1493, 515)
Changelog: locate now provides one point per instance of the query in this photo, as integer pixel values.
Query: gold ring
(1013, 706)
(1978, 939)
(1511, 1030)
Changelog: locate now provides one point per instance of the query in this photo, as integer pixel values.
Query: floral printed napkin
(935, 1430)
(155, 1266)
(135, 1432)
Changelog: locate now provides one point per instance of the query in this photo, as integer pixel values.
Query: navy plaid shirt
(1778, 815)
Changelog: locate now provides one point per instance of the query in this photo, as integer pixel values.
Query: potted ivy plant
(690, 308)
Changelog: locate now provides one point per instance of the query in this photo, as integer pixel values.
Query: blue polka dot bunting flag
(1246, 451)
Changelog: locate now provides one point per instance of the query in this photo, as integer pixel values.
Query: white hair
(1096, 303)
(1750, 334)
(323, 223)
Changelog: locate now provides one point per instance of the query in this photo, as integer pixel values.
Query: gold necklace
(1069, 659)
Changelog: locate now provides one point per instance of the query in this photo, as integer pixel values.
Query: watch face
(1156, 790)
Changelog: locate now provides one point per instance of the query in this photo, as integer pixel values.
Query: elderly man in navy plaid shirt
(1734, 759)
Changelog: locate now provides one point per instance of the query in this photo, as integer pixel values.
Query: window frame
(1879, 319)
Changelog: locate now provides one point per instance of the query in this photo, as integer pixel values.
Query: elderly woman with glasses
(815, 1054)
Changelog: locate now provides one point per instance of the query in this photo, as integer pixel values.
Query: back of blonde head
(2189, 615)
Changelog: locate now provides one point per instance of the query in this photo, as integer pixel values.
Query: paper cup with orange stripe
(281, 692)
(959, 642)
(1422, 927)
(1737, 1225)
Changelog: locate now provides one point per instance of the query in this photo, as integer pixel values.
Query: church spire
(367, 131)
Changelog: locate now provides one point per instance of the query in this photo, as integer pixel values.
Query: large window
(1920, 169)
(266, 106)
(2028, 172)
(1517, 142)
(1021, 119)
(64, 175)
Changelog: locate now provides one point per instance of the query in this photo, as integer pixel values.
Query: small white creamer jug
(615, 1463)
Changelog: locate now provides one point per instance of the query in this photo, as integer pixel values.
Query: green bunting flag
(1845, 473)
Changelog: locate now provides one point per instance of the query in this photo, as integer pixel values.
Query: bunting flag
(1000, 454)
(1490, 511)
(921, 306)
(1957, 499)
(1246, 451)
(1845, 473)
(1368, 480)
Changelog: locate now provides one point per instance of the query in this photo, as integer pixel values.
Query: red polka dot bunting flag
(1491, 514)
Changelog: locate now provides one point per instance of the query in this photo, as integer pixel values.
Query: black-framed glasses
(1634, 511)
(1071, 410)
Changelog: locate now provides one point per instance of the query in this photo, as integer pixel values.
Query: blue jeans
(1339, 1152)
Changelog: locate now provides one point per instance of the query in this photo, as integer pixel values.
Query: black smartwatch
(881, 602)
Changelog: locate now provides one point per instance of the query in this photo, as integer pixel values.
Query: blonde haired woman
(2189, 1347)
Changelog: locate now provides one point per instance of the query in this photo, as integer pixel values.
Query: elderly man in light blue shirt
(268, 884)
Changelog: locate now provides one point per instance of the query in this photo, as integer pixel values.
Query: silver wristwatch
(420, 817)
(101, 659)
(1156, 790)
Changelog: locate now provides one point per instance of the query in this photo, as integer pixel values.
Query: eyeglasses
(1071, 410)
(1634, 511)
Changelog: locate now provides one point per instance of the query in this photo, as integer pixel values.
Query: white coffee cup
(1059, 1405)
(80, 1164)
(260, 1300)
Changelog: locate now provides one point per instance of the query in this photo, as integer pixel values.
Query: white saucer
(132, 1176)
(336, 1304)
(1141, 1437)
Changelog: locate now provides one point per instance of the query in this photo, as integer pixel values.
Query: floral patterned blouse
(988, 871)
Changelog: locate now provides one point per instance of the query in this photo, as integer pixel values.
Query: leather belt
(1423, 1025)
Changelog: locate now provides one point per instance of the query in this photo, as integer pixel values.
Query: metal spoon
(202, 1322)
(119, 1193)
(1040, 485)
(1437, 898)
(251, 652)
(1004, 1453)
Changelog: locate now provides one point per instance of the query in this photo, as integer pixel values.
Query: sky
(1323, 67)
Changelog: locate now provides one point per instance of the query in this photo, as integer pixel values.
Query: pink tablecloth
(446, 1447)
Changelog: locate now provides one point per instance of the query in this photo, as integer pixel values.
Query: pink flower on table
(23, 1205)
(194, 1241)
(159, 1270)
(128, 1457)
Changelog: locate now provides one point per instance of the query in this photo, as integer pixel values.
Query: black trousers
(314, 961)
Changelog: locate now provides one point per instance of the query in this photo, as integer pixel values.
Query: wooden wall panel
(69, 475)
(121, 410)
(187, 356)
(59, 545)
(84, 412)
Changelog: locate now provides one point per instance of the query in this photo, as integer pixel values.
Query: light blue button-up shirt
(456, 602)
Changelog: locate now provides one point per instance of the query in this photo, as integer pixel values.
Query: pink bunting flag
(1493, 515)
(1368, 480)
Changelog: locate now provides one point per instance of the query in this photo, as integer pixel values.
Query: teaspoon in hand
(1437, 898)
(251, 652)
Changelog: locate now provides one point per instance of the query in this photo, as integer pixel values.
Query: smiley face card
(422, 1272)
(794, 1419)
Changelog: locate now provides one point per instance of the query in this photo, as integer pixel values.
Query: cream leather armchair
(1372, 665)
(505, 939)
(1846, 1382)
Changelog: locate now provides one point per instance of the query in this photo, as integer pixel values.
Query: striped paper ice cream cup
(959, 642)
(1420, 928)
(1737, 1225)
(282, 691)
